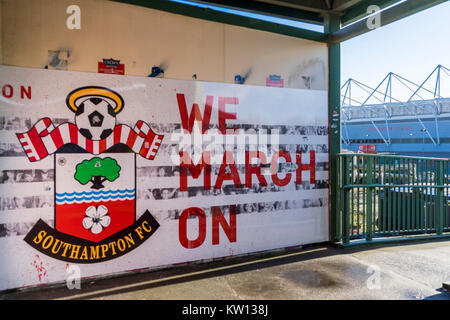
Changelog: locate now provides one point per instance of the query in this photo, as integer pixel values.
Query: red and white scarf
(44, 139)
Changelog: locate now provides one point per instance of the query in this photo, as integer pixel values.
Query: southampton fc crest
(95, 179)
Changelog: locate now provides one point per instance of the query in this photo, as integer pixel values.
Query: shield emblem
(94, 195)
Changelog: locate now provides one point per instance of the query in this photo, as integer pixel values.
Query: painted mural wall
(115, 173)
(142, 38)
(112, 173)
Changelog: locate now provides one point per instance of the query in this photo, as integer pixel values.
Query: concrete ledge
(399, 239)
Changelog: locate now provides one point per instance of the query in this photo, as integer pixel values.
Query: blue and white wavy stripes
(108, 195)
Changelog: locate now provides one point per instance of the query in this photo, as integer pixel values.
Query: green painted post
(439, 207)
(332, 24)
(369, 211)
(383, 210)
(340, 198)
(352, 192)
(346, 209)
(389, 197)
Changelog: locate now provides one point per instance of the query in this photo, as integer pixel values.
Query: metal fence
(383, 196)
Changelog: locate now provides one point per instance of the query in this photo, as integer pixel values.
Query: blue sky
(411, 47)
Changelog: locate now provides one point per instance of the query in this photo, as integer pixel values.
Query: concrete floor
(409, 271)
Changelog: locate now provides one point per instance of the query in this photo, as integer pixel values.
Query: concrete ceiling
(350, 14)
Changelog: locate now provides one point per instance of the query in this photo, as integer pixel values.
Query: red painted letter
(228, 159)
(250, 169)
(10, 91)
(311, 167)
(223, 115)
(219, 219)
(195, 170)
(274, 168)
(24, 92)
(195, 113)
(182, 231)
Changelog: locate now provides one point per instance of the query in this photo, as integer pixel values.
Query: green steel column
(439, 206)
(369, 213)
(342, 220)
(332, 24)
(346, 227)
(340, 197)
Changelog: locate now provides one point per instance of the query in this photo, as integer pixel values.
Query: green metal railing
(382, 196)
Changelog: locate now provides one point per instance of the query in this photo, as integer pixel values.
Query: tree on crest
(97, 171)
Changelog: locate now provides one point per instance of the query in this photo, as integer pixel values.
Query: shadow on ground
(323, 256)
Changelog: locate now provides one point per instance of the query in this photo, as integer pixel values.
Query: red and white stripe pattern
(44, 139)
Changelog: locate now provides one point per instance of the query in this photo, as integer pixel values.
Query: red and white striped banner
(44, 139)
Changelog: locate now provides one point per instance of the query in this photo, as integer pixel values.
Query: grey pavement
(406, 272)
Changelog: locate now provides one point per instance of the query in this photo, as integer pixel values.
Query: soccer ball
(95, 118)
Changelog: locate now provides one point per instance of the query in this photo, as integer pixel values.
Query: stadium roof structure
(341, 19)
(382, 104)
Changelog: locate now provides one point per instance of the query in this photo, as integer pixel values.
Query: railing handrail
(392, 156)
(381, 195)
(421, 186)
